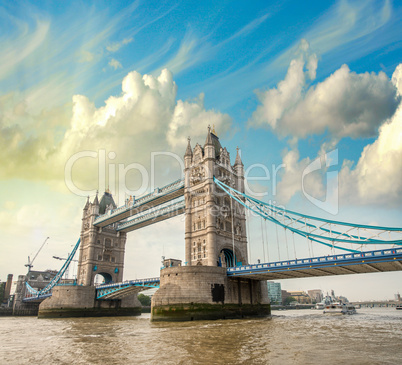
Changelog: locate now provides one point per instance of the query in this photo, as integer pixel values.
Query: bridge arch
(226, 258)
(103, 278)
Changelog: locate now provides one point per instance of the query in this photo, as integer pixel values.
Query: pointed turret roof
(107, 199)
(87, 204)
(96, 201)
(213, 140)
(189, 151)
(238, 160)
(208, 141)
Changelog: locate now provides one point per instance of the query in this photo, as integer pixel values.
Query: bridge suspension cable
(331, 233)
(58, 276)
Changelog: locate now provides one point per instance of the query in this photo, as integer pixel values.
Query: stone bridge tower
(215, 237)
(101, 249)
(101, 252)
(215, 224)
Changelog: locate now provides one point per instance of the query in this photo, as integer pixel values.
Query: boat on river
(327, 300)
(339, 308)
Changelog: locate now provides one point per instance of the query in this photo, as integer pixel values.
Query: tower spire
(208, 141)
(189, 151)
(87, 203)
(96, 201)
(238, 160)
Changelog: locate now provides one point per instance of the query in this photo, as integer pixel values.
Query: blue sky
(285, 81)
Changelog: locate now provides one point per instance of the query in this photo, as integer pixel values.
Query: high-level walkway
(161, 204)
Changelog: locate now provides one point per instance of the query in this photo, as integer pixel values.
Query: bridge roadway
(145, 203)
(344, 264)
(120, 290)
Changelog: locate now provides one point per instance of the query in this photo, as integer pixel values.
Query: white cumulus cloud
(146, 117)
(374, 180)
(345, 103)
(377, 176)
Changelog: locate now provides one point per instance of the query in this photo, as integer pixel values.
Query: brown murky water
(373, 336)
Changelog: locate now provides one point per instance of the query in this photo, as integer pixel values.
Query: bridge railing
(153, 213)
(128, 282)
(178, 184)
(288, 263)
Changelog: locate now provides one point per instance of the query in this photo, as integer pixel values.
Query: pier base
(189, 293)
(79, 301)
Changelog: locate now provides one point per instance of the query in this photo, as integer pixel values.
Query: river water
(372, 336)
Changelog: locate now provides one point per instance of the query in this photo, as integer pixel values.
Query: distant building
(398, 297)
(5, 289)
(300, 296)
(40, 279)
(343, 299)
(285, 295)
(315, 295)
(274, 292)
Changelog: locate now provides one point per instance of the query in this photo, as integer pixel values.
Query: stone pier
(189, 293)
(79, 301)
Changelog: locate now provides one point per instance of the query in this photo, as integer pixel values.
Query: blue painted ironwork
(327, 236)
(37, 298)
(46, 290)
(106, 291)
(366, 257)
(137, 203)
(167, 210)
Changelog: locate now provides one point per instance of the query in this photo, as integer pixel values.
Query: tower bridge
(133, 207)
(216, 279)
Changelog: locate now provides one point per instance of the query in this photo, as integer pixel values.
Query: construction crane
(30, 263)
(63, 259)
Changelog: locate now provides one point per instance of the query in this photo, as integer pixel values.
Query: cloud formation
(291, 178)
(377, 176)
(144, 118)
(346, 104)
(115, 64)
(114, 47)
